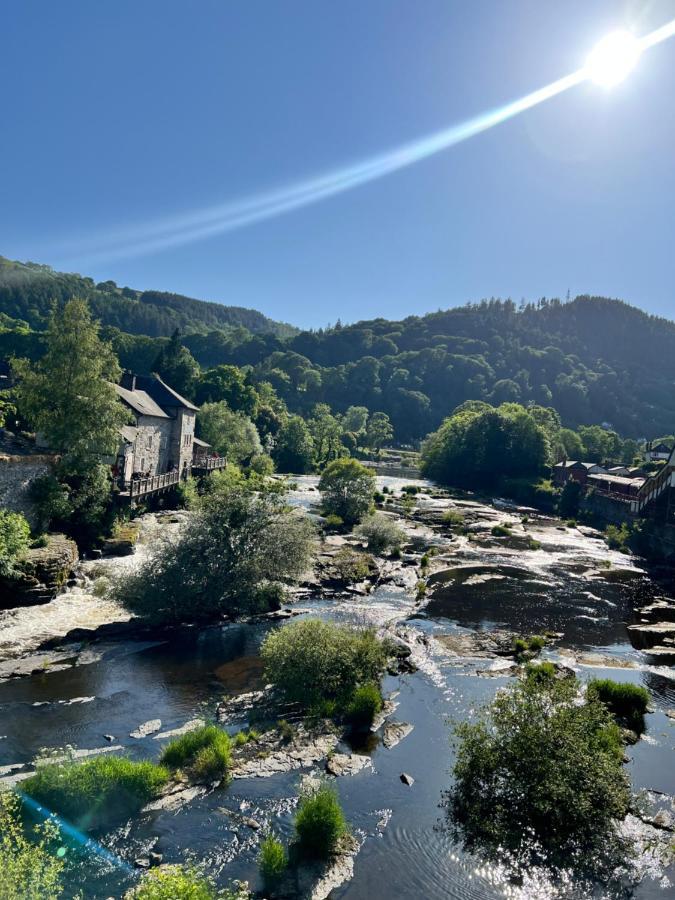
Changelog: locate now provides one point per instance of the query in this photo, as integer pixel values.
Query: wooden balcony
(204, 464)
(141, 487)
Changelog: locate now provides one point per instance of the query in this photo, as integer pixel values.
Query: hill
(27, 291)
(594, 359)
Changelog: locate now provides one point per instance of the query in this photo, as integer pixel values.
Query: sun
(613, 58)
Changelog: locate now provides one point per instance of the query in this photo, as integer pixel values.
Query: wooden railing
(209, 463)
(139, 487)
(653, 488)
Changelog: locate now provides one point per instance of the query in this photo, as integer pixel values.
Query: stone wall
(151, 447)
(16, 475)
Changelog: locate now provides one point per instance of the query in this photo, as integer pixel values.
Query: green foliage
(326, 432)
(365, 704)
(347, 490)
(539, 780)
(181, 883)
(350, 566)
(272, 859)
(627, 702)
(379, 431)
(249, 545)
(205, 753)
(29, 867)
(231, 433)
(294, 447)
(618, 537)
(311, 661)
(14, 539)
(186, 493)
(334, 523)
(541, 673)
(176, 366)
(570, 500)
(381, 533)
(262, 465)
(98, 791)
(320, 822)
(452, 518)
(75, 500)
(68, 395)
(476, 448)
(501, 531)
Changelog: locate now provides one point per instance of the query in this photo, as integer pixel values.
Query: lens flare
(611, 60)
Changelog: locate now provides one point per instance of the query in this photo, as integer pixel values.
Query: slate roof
(200, 443)
(162, 393)
(140, 402)
(129, 433)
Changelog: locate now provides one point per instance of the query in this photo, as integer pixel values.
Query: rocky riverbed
(75, 672)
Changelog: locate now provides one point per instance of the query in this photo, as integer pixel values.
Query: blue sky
(116, 114)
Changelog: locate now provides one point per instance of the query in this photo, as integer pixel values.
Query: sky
(116, 115)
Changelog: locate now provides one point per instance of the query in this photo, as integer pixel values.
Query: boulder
(407, 779)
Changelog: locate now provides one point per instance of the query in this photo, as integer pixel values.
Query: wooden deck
(141, 487)
(208, 464)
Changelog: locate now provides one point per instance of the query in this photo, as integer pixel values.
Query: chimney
(128, 381)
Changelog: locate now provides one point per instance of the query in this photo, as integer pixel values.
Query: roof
(659, 448)
(140, 402)
(162, 393)
(620, 481)
(129, 433)
(200, 443)
(575, 462)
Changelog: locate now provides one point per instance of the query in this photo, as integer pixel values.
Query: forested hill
(593, 359)
(27, 291)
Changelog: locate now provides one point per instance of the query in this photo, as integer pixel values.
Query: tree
(177, 366)
(378, 431)
(326, 433)
(227, 383)
(29, 867)
(347, 490)
(538, 779)
(294, 448)
(355, 419)
(68, 396)
(600, 444)
(478, 448)
(14, 539)
(230, 433)
(234, 556)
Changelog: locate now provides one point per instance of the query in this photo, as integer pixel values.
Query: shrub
(320, 822)
(186, 494)
(501, 531)
(452, 518)
(205, 753)
(347, 490)
(618, 537)
(626, 702)
(286, 730)
(29, 868)
(350, 566)
(539, 779)
(542, 672)
(248, 543)
(262, 465)
(364, 705)
(421, 589)
(381, 533)
(312, 661)
(333, 523)
(101, 790)
(180, 883)
(272, 859)
(14, 539)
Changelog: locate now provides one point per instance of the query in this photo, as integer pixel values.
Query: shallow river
(563, 585)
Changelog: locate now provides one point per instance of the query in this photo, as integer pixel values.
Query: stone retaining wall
(16, 475)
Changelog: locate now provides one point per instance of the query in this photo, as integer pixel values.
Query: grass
(365, 705)
(501, 531)
(540, 673)
(181, 883)
(525, 647)
(205, 753)
(453, 519)
(320, 822)
(98, 791)
(242, 738)
(272, 859)
(626, 702)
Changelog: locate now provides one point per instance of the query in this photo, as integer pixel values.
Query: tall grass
(205, 753)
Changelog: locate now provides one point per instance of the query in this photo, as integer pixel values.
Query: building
(574, 470)
(161, 437)
(656, 452)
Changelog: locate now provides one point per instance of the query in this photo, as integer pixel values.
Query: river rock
(394, 732)
(272, 756)
(191, 725)
(40, 574)
(407, 779)
(670, 713)
(149, 727)
(346, 763)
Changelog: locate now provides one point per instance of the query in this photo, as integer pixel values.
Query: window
(148, 445)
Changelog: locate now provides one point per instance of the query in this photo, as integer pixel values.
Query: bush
(618, 537)
(501, 531)
(347, 490)
(29, 867)
(541, 673)
(14, 539)
(262, 465)
(313, 661)
(350, 566)
(180, 883)
(538, 779)
(381, 533)
(206, 753)
(320, 822)
(452, 518)
(626, 702)
(186, 494)
(334, 523)
(272, 859)
(364, 705)
(99, 791)
(248, 544)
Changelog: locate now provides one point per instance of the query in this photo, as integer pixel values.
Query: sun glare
(613, 58)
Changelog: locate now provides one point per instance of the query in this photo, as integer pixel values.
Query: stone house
(161, 437)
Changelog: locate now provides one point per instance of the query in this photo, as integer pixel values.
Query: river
(558, 578)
